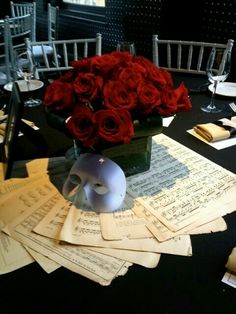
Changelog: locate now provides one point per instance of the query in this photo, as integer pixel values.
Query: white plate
(34, 84)
(225, 89)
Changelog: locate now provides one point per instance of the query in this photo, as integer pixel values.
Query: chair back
(53, 22)
(184, 56)
(24, 8)
(16, 29)
(64, 51)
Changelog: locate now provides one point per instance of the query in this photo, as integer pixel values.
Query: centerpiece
(113, 104)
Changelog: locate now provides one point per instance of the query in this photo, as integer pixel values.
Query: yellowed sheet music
(162, 233)
(8, 187)
(51, 226)
(35, 166)
(182, 187)
(93, 265)
(12, 254)
(83, 228)
(14, 196)
(146, 259)
(29, 196)
(120, 224)
(47, 264)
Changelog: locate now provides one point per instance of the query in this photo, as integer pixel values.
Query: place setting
(219, 133)
(23, 72)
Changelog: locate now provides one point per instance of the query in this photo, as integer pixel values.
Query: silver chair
(24, 8)
(16, 29)
(53, 23)
(3, 76)
(64, 51)
(184, 56)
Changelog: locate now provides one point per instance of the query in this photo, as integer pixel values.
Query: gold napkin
(231, 263)
(218, 130)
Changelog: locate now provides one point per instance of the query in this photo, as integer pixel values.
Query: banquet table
(179, 284)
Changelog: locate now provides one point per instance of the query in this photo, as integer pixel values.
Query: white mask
(97, 180)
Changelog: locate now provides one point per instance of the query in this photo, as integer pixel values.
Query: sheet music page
(182, 186)
(93, 265)
(39, 165)
(30, 196)
(8, 187)
(120, 224)
(1, 171)
(18, 195)
(83, 228)
(47, 264)
(216, 225)
(12, 254)
(146, 259)
(162, 233)
(51, 226)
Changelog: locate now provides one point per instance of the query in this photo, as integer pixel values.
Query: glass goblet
(218, 69)
(25, 71)
(126, 46)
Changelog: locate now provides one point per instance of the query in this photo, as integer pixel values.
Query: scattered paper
(47, 264)
(183, 193)
(12, 254)
(83, 228)
(230, 279)
(167, 121)
(182, 189)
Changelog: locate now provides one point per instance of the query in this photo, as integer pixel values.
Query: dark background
(138, 20)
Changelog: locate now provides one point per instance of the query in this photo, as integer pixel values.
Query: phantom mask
(96, 181)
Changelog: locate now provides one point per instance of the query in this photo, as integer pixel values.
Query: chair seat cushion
(38, 51)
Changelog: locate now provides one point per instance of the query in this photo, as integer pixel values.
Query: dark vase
(133, 158)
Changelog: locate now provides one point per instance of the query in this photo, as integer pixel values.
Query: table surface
(177, 285)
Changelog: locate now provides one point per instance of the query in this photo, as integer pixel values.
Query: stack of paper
(183, 193)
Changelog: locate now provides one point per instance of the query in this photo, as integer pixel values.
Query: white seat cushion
(38, 52)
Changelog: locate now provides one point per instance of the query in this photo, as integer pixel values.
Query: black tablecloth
(177, 285)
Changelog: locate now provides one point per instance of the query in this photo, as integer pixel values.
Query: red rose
(114, 125)
(148, 98)
(106, 64)
(183, 101)
(87, 86)
(82, 65)
(59, 95)
(131, 75)
(68, 77)
(168, 104)
(117, 95)
(81, 126)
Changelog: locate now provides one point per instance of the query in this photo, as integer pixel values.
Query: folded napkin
(218, 130)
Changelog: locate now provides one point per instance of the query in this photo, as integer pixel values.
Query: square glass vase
(134, 157)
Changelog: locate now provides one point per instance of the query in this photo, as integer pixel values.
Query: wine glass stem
(28, 85)
(212, 102)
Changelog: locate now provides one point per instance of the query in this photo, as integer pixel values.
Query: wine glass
(218, 69)
(126, 46)
(25, 71)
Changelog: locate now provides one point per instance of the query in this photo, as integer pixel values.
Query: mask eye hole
(99, 188)
(74, 179)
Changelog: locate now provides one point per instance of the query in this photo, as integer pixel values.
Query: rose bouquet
(103, 98)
